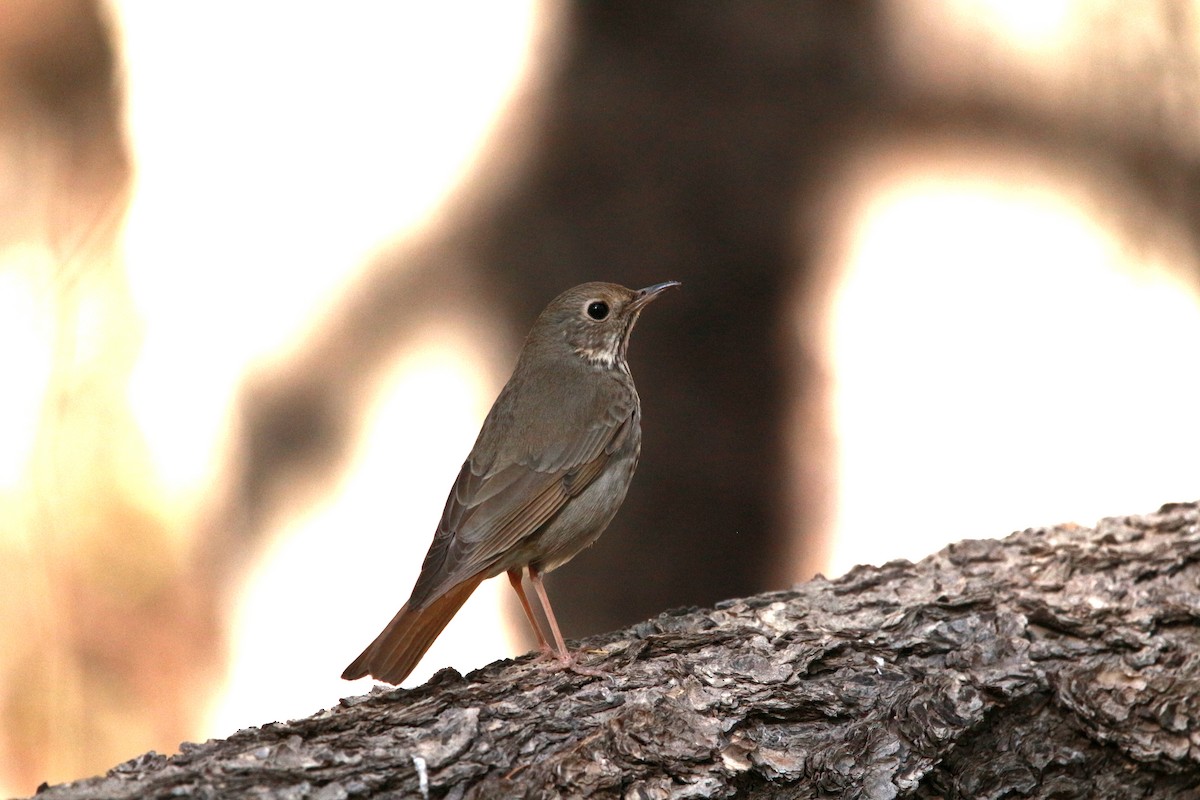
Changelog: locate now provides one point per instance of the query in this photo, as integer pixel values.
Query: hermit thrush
(547, 474)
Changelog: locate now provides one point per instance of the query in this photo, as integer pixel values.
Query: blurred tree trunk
(693, 141)
(1057, 663)
(673, 141)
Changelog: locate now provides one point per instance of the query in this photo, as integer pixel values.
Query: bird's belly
(584, 517)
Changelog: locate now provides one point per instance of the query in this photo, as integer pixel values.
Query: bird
(547, 473)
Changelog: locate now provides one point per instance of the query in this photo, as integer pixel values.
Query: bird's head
(595, 320)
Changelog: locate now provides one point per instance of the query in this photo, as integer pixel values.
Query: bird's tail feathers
(398, 649)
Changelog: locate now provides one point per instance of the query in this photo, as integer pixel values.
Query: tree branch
(1059, 662)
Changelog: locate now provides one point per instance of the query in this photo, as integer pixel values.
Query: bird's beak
(644, 296)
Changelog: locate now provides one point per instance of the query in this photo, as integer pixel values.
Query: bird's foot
(570, 662)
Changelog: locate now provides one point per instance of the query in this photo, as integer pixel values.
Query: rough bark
(1057, 663)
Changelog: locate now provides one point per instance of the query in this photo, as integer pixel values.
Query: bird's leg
(514, 577)
(560, 646)
(565, 656)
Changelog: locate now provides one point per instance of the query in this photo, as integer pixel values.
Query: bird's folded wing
(488, 515)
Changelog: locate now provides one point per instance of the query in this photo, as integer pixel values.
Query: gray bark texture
(1057, 663)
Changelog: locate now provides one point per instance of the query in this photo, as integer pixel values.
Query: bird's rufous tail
(399, 647)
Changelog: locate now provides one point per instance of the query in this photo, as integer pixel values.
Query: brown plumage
(547, 473)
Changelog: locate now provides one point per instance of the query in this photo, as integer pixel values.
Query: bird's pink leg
(568, 659)
(514, 578)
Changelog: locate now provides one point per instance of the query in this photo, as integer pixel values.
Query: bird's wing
(489, 512)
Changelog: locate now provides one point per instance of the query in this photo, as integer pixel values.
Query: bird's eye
(597, 309)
